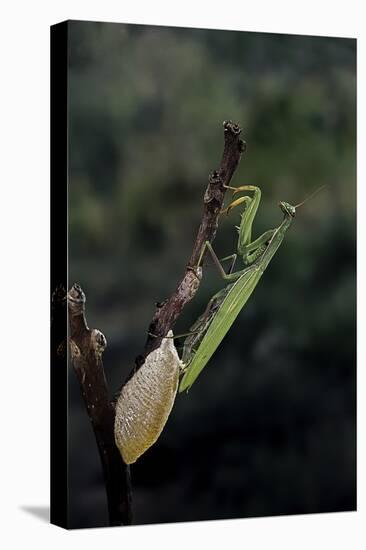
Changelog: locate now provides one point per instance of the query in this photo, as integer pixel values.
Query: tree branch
(167, 313)
(86, 348)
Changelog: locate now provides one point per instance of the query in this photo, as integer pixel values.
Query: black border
(59, 277)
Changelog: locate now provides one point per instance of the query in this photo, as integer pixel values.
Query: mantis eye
(146, 401)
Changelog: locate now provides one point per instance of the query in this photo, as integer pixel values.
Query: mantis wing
(230, 308)
(201, 326)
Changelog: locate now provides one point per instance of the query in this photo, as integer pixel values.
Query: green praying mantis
(223, 308)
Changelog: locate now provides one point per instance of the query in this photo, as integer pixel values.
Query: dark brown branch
(86, 348)
(167, 313)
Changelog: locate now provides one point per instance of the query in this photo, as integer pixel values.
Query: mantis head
(287, 209)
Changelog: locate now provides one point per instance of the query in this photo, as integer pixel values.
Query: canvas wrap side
(59, 276)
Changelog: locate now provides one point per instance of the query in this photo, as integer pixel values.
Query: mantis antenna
(312, 195)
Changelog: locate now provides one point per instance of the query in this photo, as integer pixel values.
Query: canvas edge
(59, 509)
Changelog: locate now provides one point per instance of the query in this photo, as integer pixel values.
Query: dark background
(269, 427)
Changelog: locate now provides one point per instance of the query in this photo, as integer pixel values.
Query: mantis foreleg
(248, 249)
(253, 250)
(247, 218)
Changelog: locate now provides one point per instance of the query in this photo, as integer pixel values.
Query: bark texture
(86, 349)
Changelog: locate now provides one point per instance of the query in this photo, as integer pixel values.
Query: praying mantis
(210, 329)
(146, 400)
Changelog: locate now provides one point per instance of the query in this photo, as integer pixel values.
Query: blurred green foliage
(146, 107)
